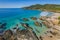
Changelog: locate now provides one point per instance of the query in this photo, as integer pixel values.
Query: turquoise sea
(13, 16)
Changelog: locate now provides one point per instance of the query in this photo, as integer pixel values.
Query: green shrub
(59, 17)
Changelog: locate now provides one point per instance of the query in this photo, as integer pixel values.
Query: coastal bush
(59, 17)
(59, 22)
(48, 7)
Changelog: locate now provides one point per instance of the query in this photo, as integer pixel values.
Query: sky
(23, 3)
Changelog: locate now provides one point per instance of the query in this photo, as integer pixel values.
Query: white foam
(45, 13)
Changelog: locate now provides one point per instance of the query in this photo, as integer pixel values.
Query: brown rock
(13, 38)
(1, 38)
(43, 18)
(24, 34)
(25, 19)
(46, 24)
(33, 18)
(37, 23)
(3, 25)
(7, 35)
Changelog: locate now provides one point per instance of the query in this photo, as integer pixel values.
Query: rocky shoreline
(28, 33)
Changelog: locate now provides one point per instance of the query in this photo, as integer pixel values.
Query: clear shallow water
(13, 16)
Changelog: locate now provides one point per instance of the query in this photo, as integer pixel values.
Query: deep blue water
(13, 16)
(8, 12)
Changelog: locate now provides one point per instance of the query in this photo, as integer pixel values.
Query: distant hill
(46, 7)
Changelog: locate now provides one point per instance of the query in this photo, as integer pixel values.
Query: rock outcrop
(25, 19)
(3, 25)
(8, 35)
(38, 24)
(46, 24)
(24, 34)
(1, 38)
(33, 18)
(31, 31)
(43, 18)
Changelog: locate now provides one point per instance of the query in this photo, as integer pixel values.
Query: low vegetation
(46, 7)
(59, 19)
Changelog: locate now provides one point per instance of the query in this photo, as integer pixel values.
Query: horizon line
(26, 6)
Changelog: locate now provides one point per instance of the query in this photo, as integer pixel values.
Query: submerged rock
(38, 24)
(16, 27)
(46, 24)
(3, 25)
(0, 23)
(1, 31)
(37, 31)
(30, 31)
(25, 19)
(33, 18)
(25, 25)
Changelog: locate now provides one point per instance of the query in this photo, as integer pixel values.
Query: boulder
(25, 19)
(41, 37)
(13, 37)
(53, 33)
(3, 25)
(37, 23)
(33, 18)
(55, 21)
(1, 38)
(23, 34)
(7, 35)
(43, 18)
(46, 24)
(25, 25)
(1, 31)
